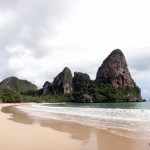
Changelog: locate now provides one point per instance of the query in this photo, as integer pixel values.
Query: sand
(17, 136)
(18, 131)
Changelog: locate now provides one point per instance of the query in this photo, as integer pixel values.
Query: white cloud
(39, 38)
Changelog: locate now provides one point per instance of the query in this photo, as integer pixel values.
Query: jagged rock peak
(66, 69)
(81, 74)
(63, 81)
(117, 51)
(81, 82)
(114, 70)
(46, 88)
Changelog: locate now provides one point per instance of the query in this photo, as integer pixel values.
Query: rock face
(63, 81)
(47, 88)
(113, 83)
(81, 82)
(114, 70)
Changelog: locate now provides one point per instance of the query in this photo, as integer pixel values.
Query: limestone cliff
(47, 88)
(81, 82)
(114, 71)
(63, 81)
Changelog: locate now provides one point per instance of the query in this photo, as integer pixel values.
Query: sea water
(133, 116)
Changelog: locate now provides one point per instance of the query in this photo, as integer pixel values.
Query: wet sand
(18, 136)
(20, 131)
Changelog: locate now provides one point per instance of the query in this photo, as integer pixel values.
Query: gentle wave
(135, 120)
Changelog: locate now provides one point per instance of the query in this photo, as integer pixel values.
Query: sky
(38, 38)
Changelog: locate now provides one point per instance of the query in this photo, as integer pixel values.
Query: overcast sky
(38, 38)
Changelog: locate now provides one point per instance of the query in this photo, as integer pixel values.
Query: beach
(20, 131)
(17, 136)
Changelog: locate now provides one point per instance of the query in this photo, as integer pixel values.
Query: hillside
(17, 85)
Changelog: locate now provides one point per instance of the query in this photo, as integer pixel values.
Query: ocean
(120, 118)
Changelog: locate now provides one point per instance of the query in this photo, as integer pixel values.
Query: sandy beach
(22, 132)
(17, 136)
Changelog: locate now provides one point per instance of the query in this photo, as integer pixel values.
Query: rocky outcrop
(81, 82)
(47, 88)
(113, 83)
(114, 71)
(63, 81)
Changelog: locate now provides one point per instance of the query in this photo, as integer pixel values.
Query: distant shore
(20, 131)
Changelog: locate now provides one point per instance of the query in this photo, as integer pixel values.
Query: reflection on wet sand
(91, 137)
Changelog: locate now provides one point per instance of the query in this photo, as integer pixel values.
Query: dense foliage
(9, 96)
(108, 93)
(18, 85)
(85, 91)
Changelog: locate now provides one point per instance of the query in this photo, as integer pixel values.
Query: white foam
(128, 119)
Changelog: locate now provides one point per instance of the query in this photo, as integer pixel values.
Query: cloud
(25, 26)
(139, 60)
(30, 22)
(39, 38)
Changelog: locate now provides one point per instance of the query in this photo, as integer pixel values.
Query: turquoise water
(133, 117)
(125, 105)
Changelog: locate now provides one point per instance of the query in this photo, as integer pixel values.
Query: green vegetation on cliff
(15, 84)
(108, 93)
(113, 83)
(14, 90)
(96, 92)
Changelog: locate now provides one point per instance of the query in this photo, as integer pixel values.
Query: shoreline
(85, 137)
(16, 136)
